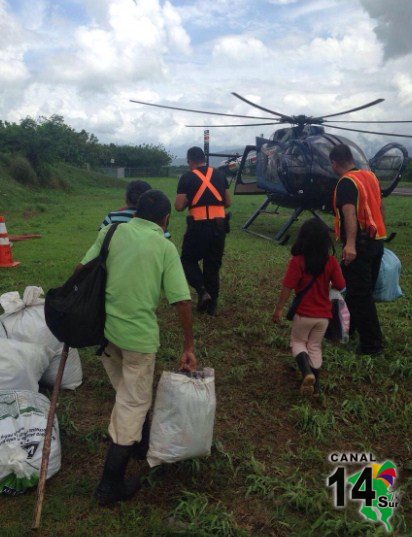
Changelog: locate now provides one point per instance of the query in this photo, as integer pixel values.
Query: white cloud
(313, 57)
(282, 2)
(13, 70)
(404, 84)
(128, 47)
(240, 49)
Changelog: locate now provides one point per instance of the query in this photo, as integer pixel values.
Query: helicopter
(292, 167)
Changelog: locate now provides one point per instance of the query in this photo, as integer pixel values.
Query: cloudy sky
(84, 59)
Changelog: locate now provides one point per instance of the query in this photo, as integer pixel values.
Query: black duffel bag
(75, 312)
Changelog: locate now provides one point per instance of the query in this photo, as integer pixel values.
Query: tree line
(47, 140)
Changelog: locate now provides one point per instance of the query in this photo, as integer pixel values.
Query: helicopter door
(388, 165)
(246, 181)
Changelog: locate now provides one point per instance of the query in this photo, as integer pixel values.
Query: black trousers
(204, 241)
(361, 276)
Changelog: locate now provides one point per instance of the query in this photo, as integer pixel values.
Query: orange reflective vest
(206, 212)
(369, 204)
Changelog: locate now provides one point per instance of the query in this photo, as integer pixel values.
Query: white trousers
(131, 374)
(307, 336)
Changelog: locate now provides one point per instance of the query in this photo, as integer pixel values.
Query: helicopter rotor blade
(367, 105)
(196, 111)
(348, 121)
(369, 132)
(288, 119)
(239, 125)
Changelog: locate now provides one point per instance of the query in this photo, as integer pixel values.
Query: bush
(22, 172)
(5, 159)
(44, 174)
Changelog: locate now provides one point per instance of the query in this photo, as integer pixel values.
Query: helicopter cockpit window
(271, 153)
(249, 170)
(358, 155)
(321, 147)
(388, 165)
(295, 168)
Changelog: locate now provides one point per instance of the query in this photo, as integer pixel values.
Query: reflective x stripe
(365, 205)
(205, 184)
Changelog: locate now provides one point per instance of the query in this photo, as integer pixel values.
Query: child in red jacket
(314, 269)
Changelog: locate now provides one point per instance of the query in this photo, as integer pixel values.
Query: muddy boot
(203, 300)
(141, 448)
(113, 487)
(317, 389)
(308, 378)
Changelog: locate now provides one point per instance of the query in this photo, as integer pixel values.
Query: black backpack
(75, 312)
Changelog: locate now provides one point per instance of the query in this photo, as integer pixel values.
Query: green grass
(267, 472)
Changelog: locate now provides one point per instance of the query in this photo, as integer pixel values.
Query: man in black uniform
(204, 191)
(359, 223)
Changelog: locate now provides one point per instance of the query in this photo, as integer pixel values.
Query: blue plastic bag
(387, 285)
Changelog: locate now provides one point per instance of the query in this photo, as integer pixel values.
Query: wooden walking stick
(41, 486)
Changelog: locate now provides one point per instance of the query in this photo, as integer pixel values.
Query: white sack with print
(23, 419)
(183, 417)
(24, 320)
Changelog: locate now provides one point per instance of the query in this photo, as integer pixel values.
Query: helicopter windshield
(358, 155)
(323, 145)
(268, 162)
(295, 166)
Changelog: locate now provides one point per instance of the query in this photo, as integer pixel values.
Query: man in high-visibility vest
(204, 191)
(359, 224)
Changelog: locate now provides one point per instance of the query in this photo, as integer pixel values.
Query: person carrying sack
(204, 191)
(310, 272)
(140, 264)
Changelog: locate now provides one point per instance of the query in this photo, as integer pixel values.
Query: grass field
(267, 472)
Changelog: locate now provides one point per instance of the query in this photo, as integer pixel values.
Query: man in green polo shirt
(140, 265)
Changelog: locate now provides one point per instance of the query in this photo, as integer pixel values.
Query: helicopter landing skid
(280, 237)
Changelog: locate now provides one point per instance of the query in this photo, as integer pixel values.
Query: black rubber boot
(212, 307)
(308, 378)
(141, 448)
(317, 389)
(113, 487)
(203, 300)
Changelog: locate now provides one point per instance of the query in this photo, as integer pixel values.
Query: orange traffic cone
(6, 259)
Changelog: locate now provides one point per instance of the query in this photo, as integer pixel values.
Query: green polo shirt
(141, 263)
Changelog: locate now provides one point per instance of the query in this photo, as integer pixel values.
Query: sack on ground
(24, 320)
(3, 332)
(23, 419)
(183, 417)
(338, 328)
(387, 285)
(22, 364)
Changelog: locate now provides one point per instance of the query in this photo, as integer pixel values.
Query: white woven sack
(22, 364)
(3, 332)
(183, 417)
(23, 419)
(24, 320)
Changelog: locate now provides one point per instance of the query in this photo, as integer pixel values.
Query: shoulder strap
(303, 291)
(105, 246)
